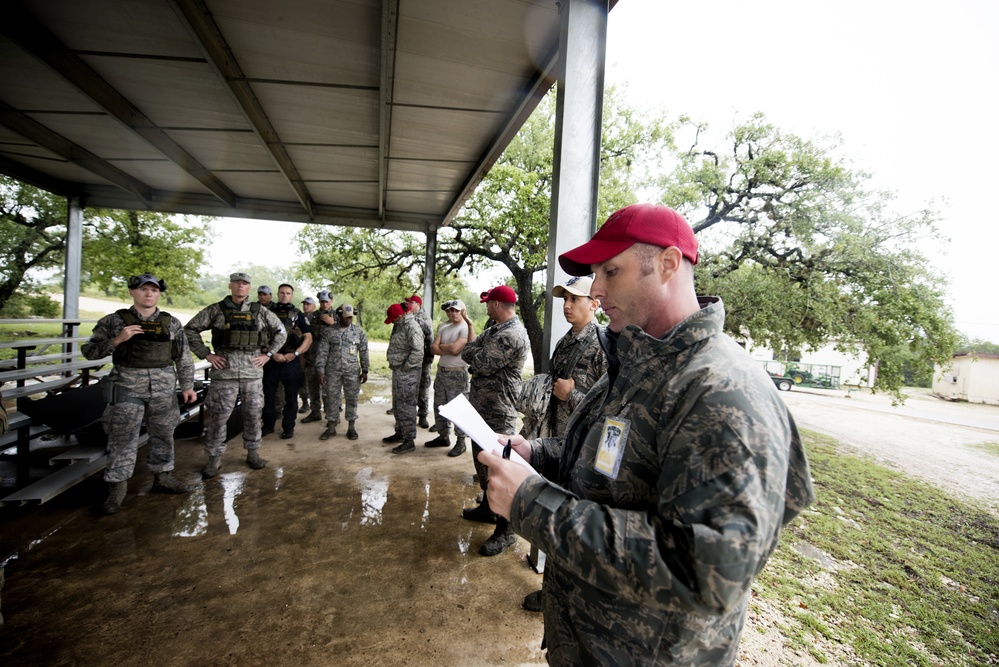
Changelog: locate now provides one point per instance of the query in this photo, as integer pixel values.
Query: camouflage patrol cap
(580, 286)
(239, 276)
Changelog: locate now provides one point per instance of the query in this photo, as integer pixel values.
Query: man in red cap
(675, 475)
(405, 358)
(423, 398)
(495, 361)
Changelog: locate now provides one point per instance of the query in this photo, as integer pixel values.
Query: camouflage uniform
(450, 381)
(316, 395)
(423, 400)
(653, 565)
(239, 377)
(149, 392)
(496, 361)
(339, 349)
(405, 358)
(591, 363)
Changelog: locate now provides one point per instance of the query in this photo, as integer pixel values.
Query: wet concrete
(337, 553)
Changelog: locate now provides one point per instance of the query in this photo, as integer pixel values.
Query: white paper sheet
(467, 418)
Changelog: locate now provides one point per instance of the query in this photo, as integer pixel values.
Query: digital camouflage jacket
(143, 382)
(590, 363)
(341, 350)
(651, 563)
(496, 361)
(239, 364)
(405, 348)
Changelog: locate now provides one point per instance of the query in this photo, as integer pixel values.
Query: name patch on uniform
(613, 438)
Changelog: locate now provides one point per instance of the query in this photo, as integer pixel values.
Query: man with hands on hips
(675, 475)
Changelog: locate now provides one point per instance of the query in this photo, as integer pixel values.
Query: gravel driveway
(927, 437)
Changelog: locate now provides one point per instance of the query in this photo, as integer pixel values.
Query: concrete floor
(337, 553)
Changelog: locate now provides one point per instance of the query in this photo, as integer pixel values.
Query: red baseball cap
(393, 312)
(415, 299)
(501, 293)
(639, 223)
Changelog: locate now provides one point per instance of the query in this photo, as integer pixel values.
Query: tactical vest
(289, 318)
(240, 331)
(152, 348)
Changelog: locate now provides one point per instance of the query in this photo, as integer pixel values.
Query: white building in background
(971, 377)
(847, 369)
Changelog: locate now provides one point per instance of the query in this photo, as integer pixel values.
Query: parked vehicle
(783, 383)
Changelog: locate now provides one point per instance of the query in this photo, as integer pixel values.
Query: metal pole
(579, 114)
(74, 265)
(430, 274)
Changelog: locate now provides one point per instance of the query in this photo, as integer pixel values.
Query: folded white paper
(467, 418)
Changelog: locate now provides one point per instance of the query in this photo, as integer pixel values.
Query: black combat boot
(501, 539)
(351, 431)
(406, 447)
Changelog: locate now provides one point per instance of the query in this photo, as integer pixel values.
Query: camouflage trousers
(405, 388)
(348, 384)
(123, 421)
(448, 385)
(498, 422)
(219, 403)
(423, 399)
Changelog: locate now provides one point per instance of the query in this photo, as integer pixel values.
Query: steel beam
(579, 114)
(21, 27)
(200, 23)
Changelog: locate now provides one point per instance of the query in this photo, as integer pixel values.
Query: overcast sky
(910, 86)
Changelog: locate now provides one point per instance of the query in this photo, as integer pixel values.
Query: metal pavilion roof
(377, 113)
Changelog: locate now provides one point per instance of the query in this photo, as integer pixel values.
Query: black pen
(506, 449)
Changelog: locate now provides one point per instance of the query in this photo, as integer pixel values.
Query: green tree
(119, 243)
(32, 235)
(506, 220)
(977, 346)
(372, 268)
(805, 254)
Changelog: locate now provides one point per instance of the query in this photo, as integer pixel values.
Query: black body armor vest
(150, 349)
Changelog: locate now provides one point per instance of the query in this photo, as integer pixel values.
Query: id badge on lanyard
(610, 447)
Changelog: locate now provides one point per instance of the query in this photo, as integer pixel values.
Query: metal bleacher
(57, 400)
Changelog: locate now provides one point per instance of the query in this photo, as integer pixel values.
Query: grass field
(886, 569)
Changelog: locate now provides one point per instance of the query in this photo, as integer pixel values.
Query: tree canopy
(120, 243)
(505, 221)
(370, 267)
(116, 243)
(803, 251)
(32, 234)
(804, 254)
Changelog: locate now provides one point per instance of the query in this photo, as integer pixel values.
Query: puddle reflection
(374, 493)
(191, 519)
(278, 476)
(426, 507)
(232, 484)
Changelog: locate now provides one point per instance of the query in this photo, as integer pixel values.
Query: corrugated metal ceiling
(381, 113)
